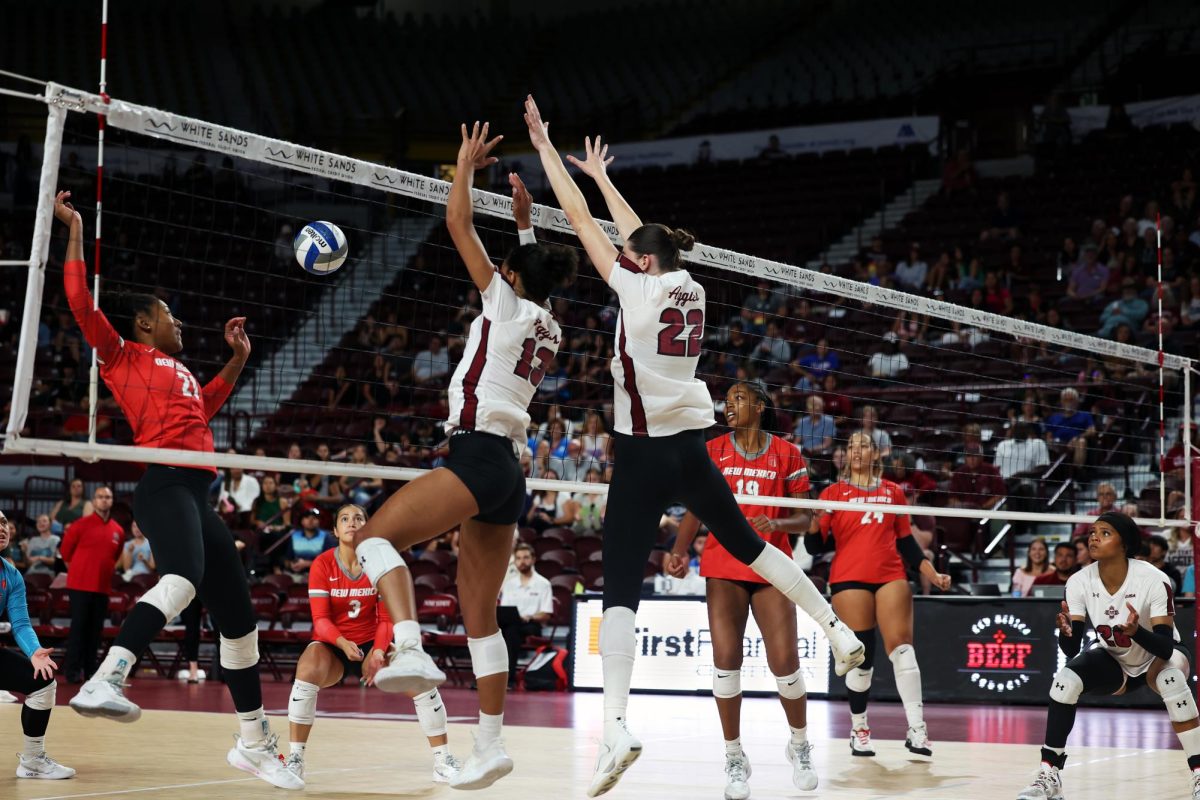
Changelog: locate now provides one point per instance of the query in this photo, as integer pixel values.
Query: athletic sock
(618, 646)
(489, 728)
(254, 726)
(441, 751)
(733, 747)
(118, 663)
(407, 630)
(297, 748)
(34, 746)
(858, 721)
(800, 736)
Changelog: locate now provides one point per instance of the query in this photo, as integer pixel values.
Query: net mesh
(349, 371)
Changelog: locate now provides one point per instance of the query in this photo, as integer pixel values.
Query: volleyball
(321, 248)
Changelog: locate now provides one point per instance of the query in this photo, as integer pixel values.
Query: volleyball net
(348, 373)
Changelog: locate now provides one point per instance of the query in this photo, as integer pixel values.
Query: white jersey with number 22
(1146, 588)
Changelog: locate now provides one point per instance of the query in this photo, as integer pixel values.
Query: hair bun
(684, 240)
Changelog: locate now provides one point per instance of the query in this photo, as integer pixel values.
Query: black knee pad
(868, 638)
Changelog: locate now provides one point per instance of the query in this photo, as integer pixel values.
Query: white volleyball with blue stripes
(321, 247)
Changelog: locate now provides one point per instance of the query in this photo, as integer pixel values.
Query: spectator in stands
(572, 466)
(704, 153)
(270, 514)
(136, 556)
(968, 272)
(818, 363)
(384, 438)
(1129, 310)
(1157, 548)
(594, 439)
(869, 426)
(958, 175)
(533, 598)
(755, 308)
(1106, 500)
(976, 484)
(1064, 566)
(344, 393)
(1068, 257)
(549, 508)
(70, 508)
(903, 472)
(996, 297)
(1083, 556)
(837, 405)
(911, 272)
(1070, 429)
(1037, 563)
(773, 151)
(888, 362)
(1088, 279)
(1022, 452)
(815, 432)
(1005, 222)
(432, 365)
(41, 551)
(307, 542)
(939, 279)
(738, 344)
(238, 490)
(556, 384)
(90, 548)
(1175, 461)
(587, 508)
(375, 392)
(773, 350)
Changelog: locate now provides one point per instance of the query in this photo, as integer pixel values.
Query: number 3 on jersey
(525, 368)
(669, 343)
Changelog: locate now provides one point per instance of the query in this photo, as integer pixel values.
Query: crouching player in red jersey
(351, 635)
(870, 587)
(753, 462)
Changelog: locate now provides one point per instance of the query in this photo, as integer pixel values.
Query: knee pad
(240, 653)
(431, 713)
(489, 655)
(378, 558)
(1066, 687)
(791, 687)
(859, 679)
(727, 683)
(618, 633)
(904, 660)
(302, 707)
(42, 699)
(1176, 696)
(171, 595)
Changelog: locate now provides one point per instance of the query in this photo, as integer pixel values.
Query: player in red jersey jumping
(757, 463)
(351, 636)
(870, 587)
(194, 550)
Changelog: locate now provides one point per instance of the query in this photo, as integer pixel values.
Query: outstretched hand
(1064, 620)
(235, 336)
(597, 160)
(475, 149)
(65, 213)
(43, 667)
(1131, 625)
(522, 202)
(539, 130)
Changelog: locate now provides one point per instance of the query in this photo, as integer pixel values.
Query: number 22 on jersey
(669, 341)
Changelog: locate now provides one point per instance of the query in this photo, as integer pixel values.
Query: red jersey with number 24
(866, 540)
(343, 605)
(165, 405)
(779, 471)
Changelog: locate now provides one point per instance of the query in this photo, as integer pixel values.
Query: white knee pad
(431, 713)
(727, 683)
(489, 655)
(791, 687)
(859, 680)
(171, 595)
(1066, 687)
(42, 699)
(378, 558)
(240, 653)
(1176, 696)
(302, 707)
(904, 659)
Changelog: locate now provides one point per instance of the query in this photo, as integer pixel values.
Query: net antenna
(727, 265)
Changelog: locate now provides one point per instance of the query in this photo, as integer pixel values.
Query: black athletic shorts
(350, 668)
(488, 466)
(842, 586)
(1102, 674)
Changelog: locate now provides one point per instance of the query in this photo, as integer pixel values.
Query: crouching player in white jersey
(481, 485)
(661, 410)
(351, 634)
(1144, 649)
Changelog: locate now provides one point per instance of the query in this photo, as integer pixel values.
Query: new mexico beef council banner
(674, 649)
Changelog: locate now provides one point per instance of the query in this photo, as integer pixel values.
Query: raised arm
(596, 167)
(96, 328)
(522, 205)
(472, 155)
(595, 241)
(217, 391)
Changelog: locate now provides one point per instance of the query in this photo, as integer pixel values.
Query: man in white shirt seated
(1023, 452)
(533, 599)
(888, 362)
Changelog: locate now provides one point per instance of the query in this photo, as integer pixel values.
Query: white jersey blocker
(508, 348)
(660, 329)
(1146, 588)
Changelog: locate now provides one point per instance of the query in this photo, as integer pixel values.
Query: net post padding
(253, 147)
(117, 452)
(39, 253)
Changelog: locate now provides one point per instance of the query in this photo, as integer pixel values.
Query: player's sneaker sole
(281, 778)
(412, 676)
(492, 771)
(91, 704)
(602, 784)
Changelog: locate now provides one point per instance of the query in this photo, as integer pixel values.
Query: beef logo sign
(999, 653)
